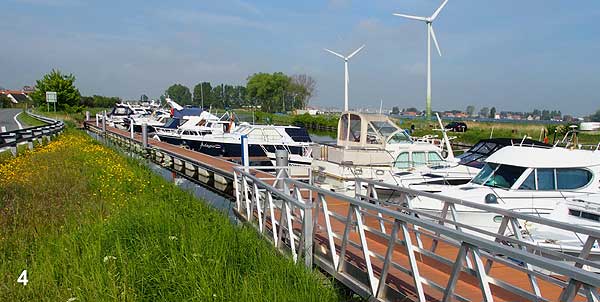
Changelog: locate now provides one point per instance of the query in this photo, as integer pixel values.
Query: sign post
(51, 98)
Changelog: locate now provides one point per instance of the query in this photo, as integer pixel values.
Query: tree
(180, 94)
(470, 110)
(493, 112)
(305, 88)
(5, 102)
(67, 94)
(395, 110)
(202, 95)
(144, 98)
(484, 112)
(268, 90)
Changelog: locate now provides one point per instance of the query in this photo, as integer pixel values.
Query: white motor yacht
(368, 146)
(523, 179)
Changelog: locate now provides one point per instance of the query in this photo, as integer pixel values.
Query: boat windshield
(384, 128)
(498, 176)
(399, 137)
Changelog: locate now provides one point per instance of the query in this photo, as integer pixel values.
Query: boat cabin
(369, 131)
(537, 169)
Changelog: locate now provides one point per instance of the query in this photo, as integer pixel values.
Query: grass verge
(28, 121)
(90, 225)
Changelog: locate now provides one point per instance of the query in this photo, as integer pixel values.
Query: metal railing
(11, 139)
(369, 245)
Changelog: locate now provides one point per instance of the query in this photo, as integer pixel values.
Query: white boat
(369, 146)
(522, 179)
(460, 170)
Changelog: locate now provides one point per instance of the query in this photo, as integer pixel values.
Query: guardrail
(299, 216)
(12, 139)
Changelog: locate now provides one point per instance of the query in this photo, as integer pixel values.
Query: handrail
(486, 208)
(254, 199)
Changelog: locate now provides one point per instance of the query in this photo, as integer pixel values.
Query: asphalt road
(7, 119)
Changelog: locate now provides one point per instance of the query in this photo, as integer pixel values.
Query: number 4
(23, 278)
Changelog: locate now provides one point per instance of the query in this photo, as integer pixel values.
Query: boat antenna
(523, 140)
(446, 140)
(492, 133)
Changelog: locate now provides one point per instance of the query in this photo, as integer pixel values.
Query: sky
(514, 55)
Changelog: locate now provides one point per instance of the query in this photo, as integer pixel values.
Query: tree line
(275, 92)
(272, 92)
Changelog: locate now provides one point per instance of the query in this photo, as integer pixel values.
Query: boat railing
(361, 241)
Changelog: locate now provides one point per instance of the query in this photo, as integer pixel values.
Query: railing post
(308, 233)
(104, 122)
(131, 128)
(145, 135)
(87, 116)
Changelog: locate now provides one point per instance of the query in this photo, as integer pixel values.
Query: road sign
(50, 97)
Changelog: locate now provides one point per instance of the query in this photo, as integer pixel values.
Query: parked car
(456, 127)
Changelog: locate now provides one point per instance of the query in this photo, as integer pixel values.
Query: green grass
(87, 223)
(70, 118)
(29, 121)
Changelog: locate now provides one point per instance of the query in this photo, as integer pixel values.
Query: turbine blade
(356, 51)
(411, 17)
(437, 46)
(335, 53)
(437, 11)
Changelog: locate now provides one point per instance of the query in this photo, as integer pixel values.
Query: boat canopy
(368, 130)
(545, 158)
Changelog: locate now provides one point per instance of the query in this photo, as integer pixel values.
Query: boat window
(372, 136)
(355, 128)
(433, 158)
(343, 127)
(120, 111)
(398, 137)
(384, 128)
(298, 134)
(584, 215)
(418, 159)
(569, 178)
(505, 176)
(545, 179)
(402, 161)
(529, 183)
(485, 173)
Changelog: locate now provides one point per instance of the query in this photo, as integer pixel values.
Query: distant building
(310, 111)
(15, 96)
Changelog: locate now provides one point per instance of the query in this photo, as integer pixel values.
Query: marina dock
(384, 251)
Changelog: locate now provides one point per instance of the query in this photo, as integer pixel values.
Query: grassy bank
(71, 118)
(90, 225)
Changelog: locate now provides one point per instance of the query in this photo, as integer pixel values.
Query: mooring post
(104, 122)
(87, 116)
(131, 126)
(281, 160)
(245, 155)
(97, 122)
(145, 135)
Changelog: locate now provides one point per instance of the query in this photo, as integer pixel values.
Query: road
(8, 120)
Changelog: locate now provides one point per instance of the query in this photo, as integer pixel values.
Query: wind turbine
(346, 76)
(430, 35)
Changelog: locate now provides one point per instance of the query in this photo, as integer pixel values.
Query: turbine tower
(430, 35)
(346, 76)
